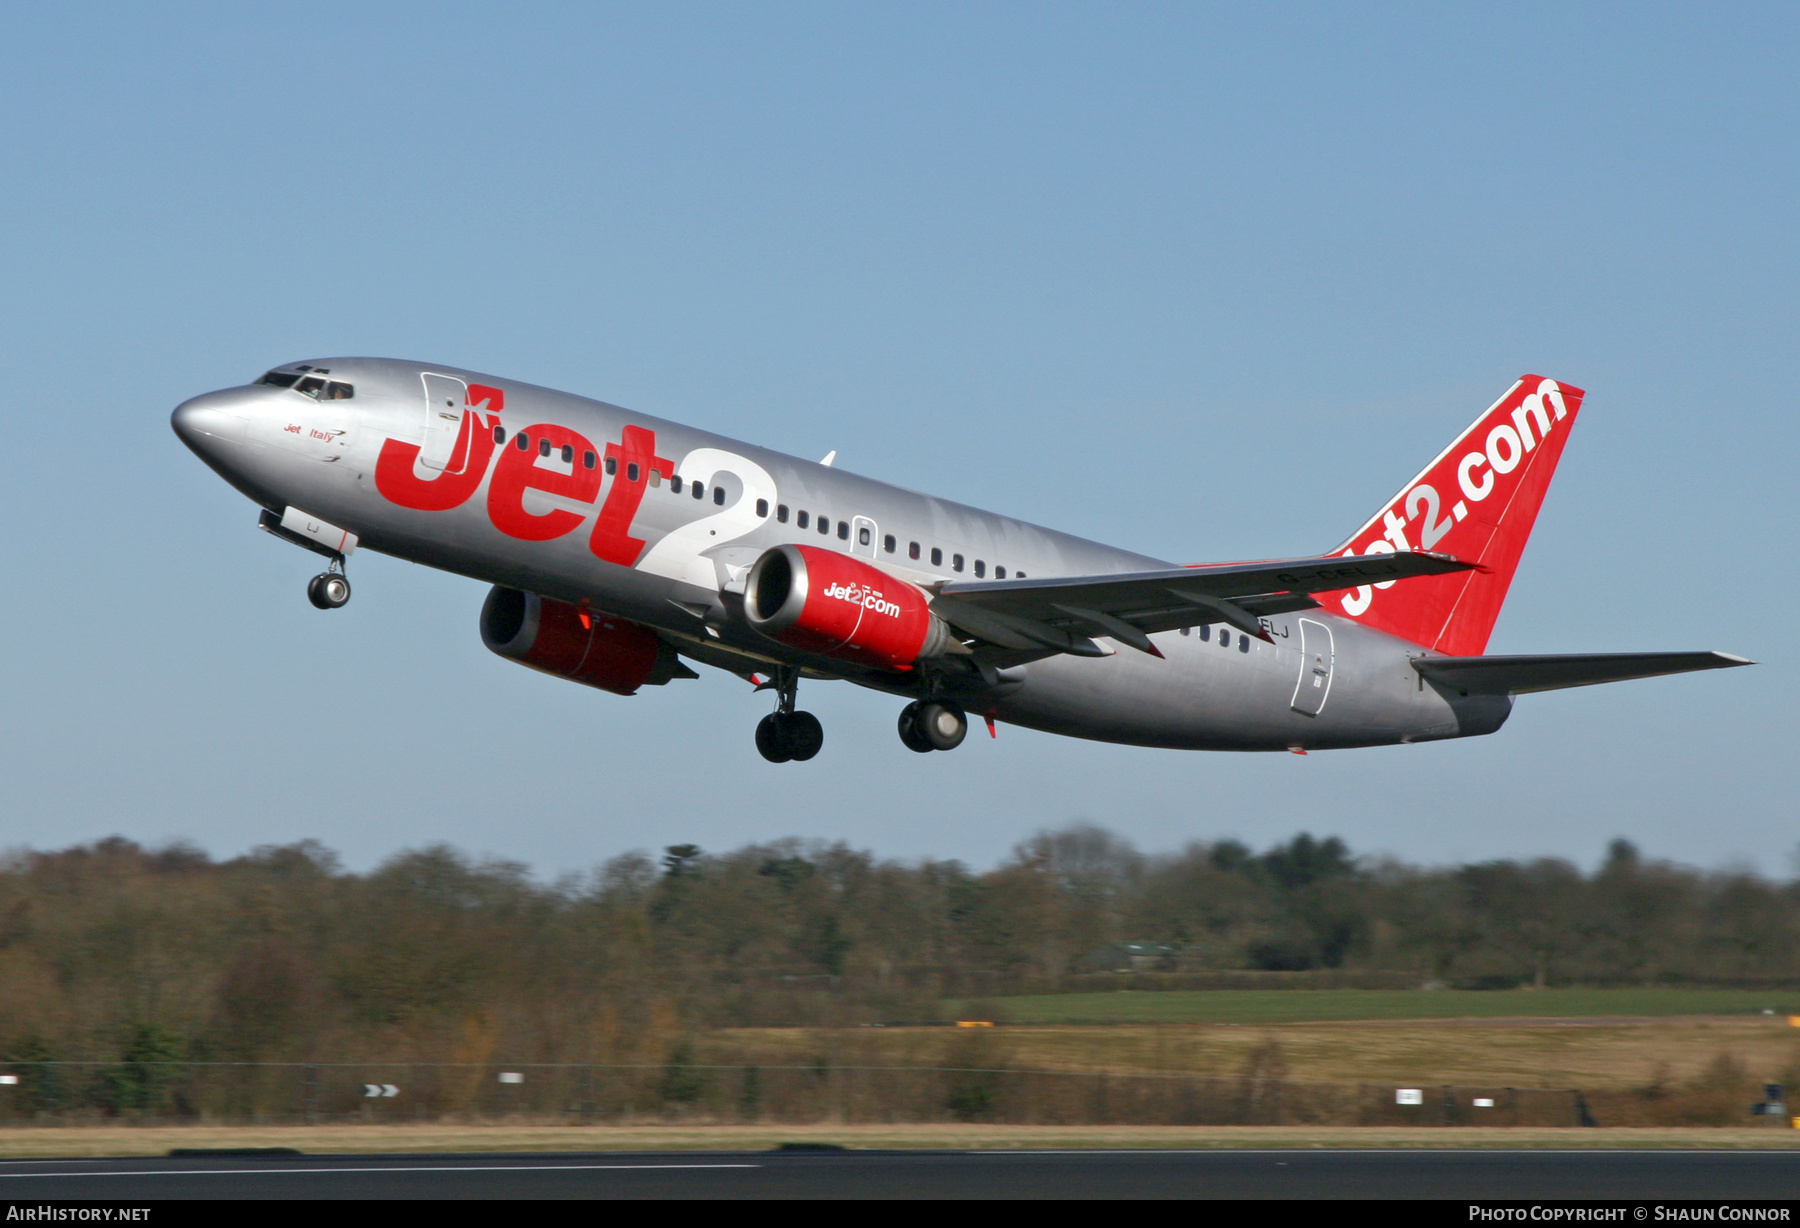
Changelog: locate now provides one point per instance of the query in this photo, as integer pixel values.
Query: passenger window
(675, 484)
(956, 562)
(1018, 575)
(1243, 643)
(1224, 638)
(612, 464)
(844, 531)
(587, 460)
(335, 391)
(937, 557)
(999, 572)
(719, 495)
(543, 447)
(310, 386)
(912, 550)
(825, 525)
(1205, 632)
(889, 544)
(522, 442)
(499, 434)
(801, 520)
(699, 489)
(762, 507)
(631, 472)
(568, 454)
(781, 513)
(980, 569)
(1186, 630)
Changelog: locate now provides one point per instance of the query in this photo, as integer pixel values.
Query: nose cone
(212, 424)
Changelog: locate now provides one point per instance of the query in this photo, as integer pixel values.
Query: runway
(1468, 1174)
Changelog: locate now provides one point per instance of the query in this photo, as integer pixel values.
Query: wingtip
(1731, 658)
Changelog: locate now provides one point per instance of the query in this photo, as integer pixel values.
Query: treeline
(111, 949)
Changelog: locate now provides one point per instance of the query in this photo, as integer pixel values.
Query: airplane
(622, 547)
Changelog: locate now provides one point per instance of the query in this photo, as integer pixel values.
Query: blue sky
(1204, 282)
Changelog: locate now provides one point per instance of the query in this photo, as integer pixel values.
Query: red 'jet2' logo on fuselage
(629, 462)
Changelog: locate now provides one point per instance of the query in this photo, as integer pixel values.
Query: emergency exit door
(863, 534)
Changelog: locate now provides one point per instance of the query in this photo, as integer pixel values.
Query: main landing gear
(932, 724)
(785, 734)
(330, 589)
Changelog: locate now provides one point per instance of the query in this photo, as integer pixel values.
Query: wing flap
(1012, 631)
(1520, 675)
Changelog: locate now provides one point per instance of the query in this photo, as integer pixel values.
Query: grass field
(37, 1142)
(1251, 1006)
(1595, 1053)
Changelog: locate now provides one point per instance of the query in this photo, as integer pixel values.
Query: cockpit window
(314, 387)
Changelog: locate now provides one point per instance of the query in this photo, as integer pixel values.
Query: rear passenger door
(1316, 661)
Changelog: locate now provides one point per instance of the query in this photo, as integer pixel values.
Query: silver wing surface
(1033, 618)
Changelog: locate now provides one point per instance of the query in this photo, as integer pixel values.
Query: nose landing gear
(931, 724)
(329, 590)
(785, 734)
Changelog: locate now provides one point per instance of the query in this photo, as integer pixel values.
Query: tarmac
(1624, 1177)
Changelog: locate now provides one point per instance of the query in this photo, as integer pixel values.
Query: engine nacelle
(584, 646)
(838, 606)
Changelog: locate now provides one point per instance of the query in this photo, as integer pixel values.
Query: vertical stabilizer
(1477, 501)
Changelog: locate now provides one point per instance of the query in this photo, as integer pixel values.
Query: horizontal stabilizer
(1518, 675)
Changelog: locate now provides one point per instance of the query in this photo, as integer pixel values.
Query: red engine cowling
(584, 646)
(837, 606)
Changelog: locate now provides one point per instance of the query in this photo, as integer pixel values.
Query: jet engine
(584, 646)
(838, 606)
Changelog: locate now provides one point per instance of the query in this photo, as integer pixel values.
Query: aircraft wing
(1064, 613)
(1519, 675)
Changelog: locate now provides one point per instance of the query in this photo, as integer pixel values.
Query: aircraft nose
(205, 422)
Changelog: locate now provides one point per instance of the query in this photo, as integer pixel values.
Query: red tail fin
(1477, 501)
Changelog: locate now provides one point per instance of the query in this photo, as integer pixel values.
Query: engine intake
(585, 646)
(838, 606)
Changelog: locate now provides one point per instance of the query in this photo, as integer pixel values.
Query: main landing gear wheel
(805, 736)
(910, 733)
(933, 725)
(329, 590)
(781, 736)
(785, 734)
(770, 743)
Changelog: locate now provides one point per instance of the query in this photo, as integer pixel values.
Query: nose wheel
(928, 725)
(329, 590)
(786, 734)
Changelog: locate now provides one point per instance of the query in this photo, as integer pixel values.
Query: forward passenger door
(445, 397)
